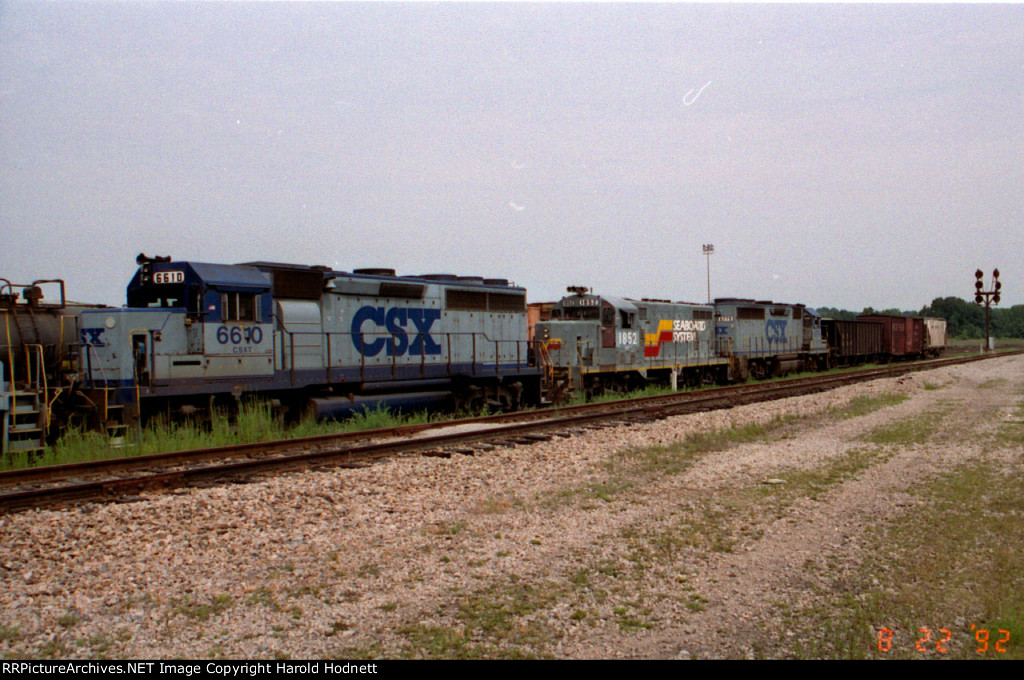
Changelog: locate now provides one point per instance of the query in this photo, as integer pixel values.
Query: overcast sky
(849, 156)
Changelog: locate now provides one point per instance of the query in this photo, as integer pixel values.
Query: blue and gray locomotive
(315, 340)
(768, 338)
(595, 343)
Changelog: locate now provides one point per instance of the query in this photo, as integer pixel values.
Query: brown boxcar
(853, 342)
(903, 336)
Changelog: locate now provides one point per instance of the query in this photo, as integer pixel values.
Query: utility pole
(989, 297)
(709, 250)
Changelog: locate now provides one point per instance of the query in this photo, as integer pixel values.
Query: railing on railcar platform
(448, 358)
(764, 347)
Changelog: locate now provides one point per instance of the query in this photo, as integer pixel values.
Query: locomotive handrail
(40, 373)
(10, 363)
(289, 337)
(327, 365)
(9, 286)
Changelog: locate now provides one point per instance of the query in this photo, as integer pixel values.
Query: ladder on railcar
(24, 407)
(558, 382)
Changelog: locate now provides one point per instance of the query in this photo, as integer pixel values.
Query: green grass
(721, 523)
(657, 390)
(954, 563)
(912, 430)
(263, 597)
(498, 505)
(1011, 431)
(70, 619)
(202, 611)
(629, 617)
(493, 623)
(253, 422)
(633, 468)
(951, 558)
(863, 405)
(1004, 344)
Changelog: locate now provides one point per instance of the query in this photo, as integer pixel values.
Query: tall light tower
(709, 250)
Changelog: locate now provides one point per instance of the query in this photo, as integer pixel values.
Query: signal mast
(988, 297)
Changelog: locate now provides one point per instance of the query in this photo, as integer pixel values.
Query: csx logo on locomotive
(393, 322)
(93, 337)
(775, 331)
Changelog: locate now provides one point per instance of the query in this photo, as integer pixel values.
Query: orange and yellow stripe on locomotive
(671, 330)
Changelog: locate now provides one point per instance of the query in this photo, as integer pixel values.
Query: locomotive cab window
(157, 297)
(195, 301)
(238, 306)
(608, 316)
(580, 314)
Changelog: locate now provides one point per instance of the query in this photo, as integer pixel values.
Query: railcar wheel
(758, 370)
(471, 400)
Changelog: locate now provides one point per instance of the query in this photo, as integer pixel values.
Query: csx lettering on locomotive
(392, 323)
(775, 330)
(93, 337)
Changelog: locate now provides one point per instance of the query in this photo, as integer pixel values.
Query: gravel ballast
(565, 549)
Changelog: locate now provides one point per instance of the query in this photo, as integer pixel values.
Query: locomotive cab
(585, 337)
(185, 322)
(815, 347)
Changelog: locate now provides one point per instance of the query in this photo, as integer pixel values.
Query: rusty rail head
(128, 474)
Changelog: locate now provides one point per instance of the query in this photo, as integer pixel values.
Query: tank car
(598, 342)
(38, 367)
(769, 338)
(316, 340)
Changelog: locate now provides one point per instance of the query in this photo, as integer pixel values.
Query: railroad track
(123, 479)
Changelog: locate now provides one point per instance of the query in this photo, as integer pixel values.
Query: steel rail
(114, 478)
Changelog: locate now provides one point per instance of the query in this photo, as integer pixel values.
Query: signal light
(978, 285)
(995, 299)
(978, 274)
(995, 273)
(978, 299)
(998, 285)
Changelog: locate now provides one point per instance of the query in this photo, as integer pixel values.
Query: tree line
(963, 319)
